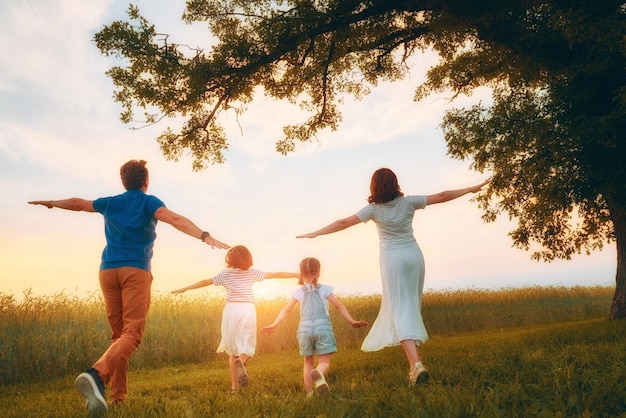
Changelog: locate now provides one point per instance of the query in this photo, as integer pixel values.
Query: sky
(61, 137)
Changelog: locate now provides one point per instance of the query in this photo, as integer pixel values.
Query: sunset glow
(60, 137)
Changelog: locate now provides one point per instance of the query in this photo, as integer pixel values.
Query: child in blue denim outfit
(315, 332)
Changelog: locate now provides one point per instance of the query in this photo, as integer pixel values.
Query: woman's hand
(477, 188)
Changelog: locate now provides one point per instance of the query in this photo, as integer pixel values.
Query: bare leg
(417, 372)
(411, 350)
(234, 383)
(323, 363)
(306, 372)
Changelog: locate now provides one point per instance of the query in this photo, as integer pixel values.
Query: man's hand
(46, 203)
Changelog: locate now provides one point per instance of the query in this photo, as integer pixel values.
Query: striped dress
(239, 314)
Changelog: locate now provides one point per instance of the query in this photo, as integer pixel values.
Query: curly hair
(134, 174)
(384, 186)
(310, 267)
(238, 257)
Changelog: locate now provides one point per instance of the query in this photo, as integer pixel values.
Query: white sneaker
(319, 381)
(92, 392)
(418, 375)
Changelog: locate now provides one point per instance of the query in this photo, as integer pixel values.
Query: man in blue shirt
(125, 275)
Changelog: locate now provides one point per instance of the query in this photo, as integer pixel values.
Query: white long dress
(402, 274)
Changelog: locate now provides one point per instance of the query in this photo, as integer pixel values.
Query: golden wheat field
(539, 351)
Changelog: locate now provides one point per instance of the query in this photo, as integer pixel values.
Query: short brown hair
(311, 267)
(134, 174)
(384, 186)
(238, 257)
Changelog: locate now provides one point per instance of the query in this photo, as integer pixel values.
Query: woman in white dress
(399, 320)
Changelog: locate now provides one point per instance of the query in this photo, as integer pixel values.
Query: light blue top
(394, 220)
(324, 291)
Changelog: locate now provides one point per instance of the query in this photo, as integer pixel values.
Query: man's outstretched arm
(73, 203)
(185, 225)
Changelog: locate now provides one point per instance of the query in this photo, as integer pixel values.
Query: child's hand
(359, 324)
(268, 329)
(178, 291)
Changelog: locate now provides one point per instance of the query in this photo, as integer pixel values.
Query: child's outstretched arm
(343, 311)
(201, 283)
(281, 275)
(281, 316)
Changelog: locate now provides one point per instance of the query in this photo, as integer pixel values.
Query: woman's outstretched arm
(448, 195)
(338, 225)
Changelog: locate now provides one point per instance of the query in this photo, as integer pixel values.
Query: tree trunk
(618, 308)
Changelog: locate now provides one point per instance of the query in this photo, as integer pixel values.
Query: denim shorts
(316, 339)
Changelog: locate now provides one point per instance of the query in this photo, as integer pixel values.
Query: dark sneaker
(242, 373)
(319, 381)
(91, 387)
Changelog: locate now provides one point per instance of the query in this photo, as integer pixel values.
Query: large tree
(553, 137)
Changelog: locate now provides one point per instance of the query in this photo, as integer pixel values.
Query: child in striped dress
(239, 314)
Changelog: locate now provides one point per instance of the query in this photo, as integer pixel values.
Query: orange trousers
(126, 292)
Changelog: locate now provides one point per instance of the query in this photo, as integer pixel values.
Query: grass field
(546, 352)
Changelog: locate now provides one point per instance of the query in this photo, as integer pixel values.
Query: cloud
(60, 135)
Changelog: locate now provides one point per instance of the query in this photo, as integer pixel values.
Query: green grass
(551, 353)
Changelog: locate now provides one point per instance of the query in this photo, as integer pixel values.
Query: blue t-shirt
(129, 228)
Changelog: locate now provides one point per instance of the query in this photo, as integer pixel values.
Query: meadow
(540, 351)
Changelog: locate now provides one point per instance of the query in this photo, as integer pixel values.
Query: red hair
(238, 257)
(384, 186)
